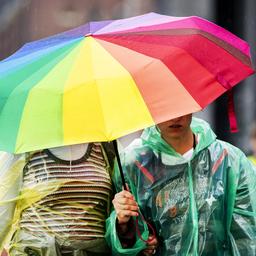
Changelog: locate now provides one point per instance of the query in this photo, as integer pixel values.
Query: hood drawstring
(193, 211)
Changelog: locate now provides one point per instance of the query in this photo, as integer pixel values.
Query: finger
(148, 252)
(126, 207)
(125, 204)
(125, 213)
(151, 247)
(153, 241)
(151, 252)
(125, 201)
(124, 193)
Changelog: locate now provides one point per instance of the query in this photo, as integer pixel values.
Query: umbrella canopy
(106, 79)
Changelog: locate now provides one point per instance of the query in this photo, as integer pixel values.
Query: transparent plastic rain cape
(18, 202)
(204, 206)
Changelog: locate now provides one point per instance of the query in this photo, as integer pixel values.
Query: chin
(174, 135)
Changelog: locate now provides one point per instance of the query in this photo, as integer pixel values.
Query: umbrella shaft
(119, 164)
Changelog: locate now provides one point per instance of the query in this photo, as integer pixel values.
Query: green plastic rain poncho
(204, 206)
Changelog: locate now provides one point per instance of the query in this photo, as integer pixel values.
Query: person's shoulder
(137, 150)
(230, 156)
(229, 150)
(229, 147)
(136, 144)
(110, 152)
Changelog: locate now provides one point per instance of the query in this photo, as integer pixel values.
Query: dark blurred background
(26, 20)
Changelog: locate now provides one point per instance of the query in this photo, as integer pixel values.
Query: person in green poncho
(198, 192)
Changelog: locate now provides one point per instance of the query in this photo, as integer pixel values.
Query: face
(175, 128)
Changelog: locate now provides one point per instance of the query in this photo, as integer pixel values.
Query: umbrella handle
(119, 164)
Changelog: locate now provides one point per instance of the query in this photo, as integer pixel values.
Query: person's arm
(126, 207)
(243, 221)
(11, 167)
(118, 229)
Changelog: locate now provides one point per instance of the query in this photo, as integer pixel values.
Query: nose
(177, 119)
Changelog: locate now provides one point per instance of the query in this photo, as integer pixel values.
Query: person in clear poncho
(198, 192)
(55, 202)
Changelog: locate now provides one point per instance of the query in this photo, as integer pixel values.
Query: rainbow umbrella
(106, 79)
